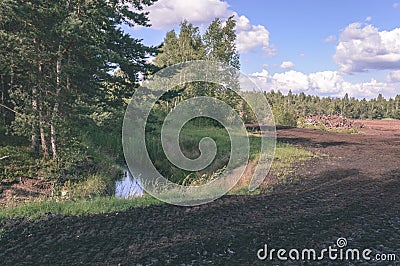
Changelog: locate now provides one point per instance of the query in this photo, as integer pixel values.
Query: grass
(33, 210)
(190, 136)
(288, 154)
(345, 131)
(285, 156)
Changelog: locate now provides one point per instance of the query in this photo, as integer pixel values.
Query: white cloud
(394, 77)
(262, 76)
(325, 83)
(396, 5)
(363, 48)
(263, 73)
(251, 37)
(287, 65)
(293, 80)
(368, 19)
(330, 38)
(166, 14)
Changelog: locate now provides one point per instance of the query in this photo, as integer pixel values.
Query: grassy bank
(34, 210)
(286, 155)
(190, 136)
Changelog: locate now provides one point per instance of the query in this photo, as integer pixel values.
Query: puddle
(128, 186)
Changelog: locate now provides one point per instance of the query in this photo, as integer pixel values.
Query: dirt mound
(333, 122)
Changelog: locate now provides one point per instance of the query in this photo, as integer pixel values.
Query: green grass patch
(285, 156)
(287, 153)
(33, 210)
(346, 131)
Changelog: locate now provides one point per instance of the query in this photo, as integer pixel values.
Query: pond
(128, 186)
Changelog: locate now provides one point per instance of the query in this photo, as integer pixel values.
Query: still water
(128, 186)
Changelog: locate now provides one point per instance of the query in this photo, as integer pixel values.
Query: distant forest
(291, 106)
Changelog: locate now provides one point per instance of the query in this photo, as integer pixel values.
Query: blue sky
(326, 48)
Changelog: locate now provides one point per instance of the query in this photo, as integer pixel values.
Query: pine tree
(60, 55)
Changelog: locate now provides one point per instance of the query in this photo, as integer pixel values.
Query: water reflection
(128, 186)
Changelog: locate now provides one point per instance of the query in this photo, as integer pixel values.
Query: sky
(324, 48)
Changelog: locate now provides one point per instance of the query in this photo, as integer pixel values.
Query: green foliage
(285, 156)
(217, 44)
(19, 162)
(187, 46)
(68, 71)
(190, 137)
(285, 117)
(59, 61)
(287, 153)
(94, 186)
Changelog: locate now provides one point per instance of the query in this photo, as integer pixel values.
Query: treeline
(218, 43)
(287, 108)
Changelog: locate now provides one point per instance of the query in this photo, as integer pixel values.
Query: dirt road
(353, 193)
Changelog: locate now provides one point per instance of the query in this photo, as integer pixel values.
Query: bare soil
(351, 190)
(25, 189)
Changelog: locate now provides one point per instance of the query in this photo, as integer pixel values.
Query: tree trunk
(42, 123)
(34, 137)
(53, 132)
(3, 90)
(53, 141)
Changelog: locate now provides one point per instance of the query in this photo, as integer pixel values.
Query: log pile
(332, 122)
